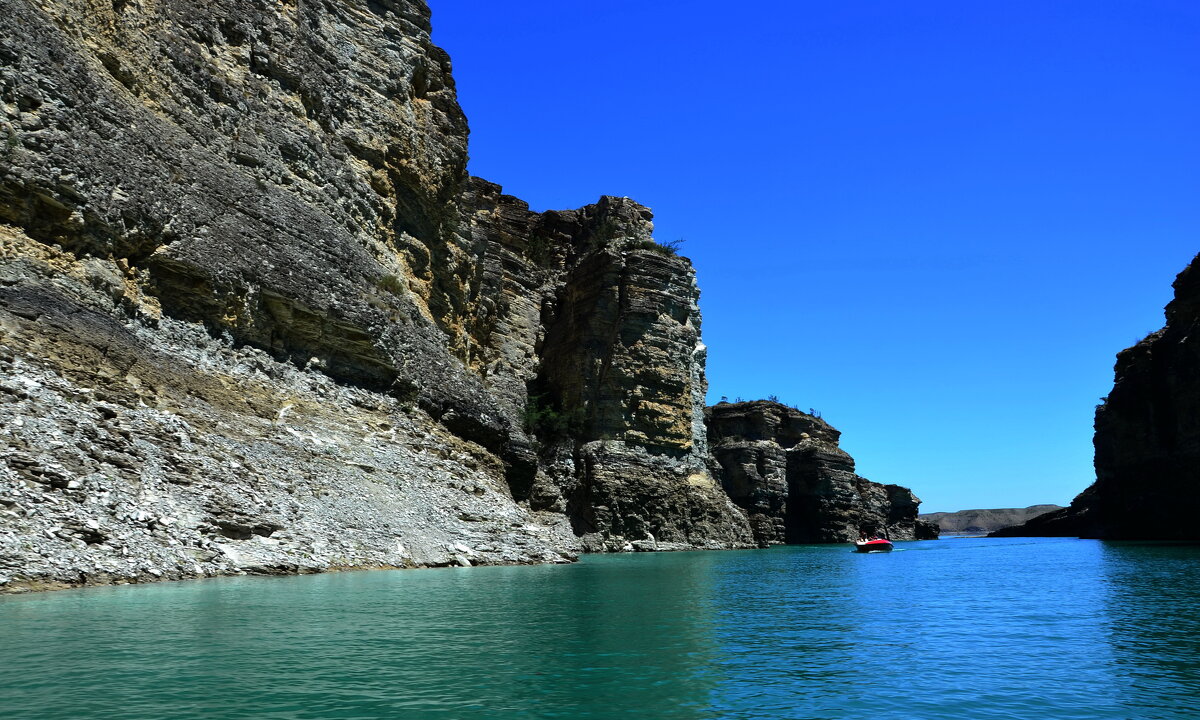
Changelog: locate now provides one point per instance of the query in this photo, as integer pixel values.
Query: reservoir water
(955, 628)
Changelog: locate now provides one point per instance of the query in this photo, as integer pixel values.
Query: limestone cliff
(590, 334)
(784, 467)
(254, 314)
(256, 317)
(1147, 438)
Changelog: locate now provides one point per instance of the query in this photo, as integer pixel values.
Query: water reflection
(935, 630)
(636, 635)
(1152, 621)
(948, 629)
(787, 633)
(591, 641)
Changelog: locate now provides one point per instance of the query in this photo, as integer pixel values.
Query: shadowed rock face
(1148, 430)
(254, 217)
(784, 467)
(1147, 438)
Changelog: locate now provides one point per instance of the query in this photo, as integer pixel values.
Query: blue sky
(935, 222)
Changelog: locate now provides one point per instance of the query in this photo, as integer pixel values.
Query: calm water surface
(961, 628)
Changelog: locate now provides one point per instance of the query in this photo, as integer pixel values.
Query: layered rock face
(135, 451)
(1147, 438)
(589, 332)
(784, 467)
(255, 315)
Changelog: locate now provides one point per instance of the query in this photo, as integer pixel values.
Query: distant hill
(983, 521)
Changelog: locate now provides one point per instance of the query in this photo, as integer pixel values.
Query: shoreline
(15, 587)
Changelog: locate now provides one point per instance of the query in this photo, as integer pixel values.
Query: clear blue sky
(934, 221)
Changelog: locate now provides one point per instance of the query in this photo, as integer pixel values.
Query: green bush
(674, 246)
(538, 249)
(10, 143)
(545, 418)
(392, 284)
(670, 249)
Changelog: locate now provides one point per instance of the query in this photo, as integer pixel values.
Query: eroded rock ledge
(785, 469)
(256, 317)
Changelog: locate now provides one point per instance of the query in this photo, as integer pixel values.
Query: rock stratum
(255, 316)
(1147, 438)
(785, 469)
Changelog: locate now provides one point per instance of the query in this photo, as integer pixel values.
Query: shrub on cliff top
(670, 248)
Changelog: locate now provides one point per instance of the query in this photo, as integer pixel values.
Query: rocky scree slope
(1147, 438)
(784, 467)
(256, 317)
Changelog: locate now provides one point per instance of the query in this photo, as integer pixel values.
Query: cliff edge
(1147, 438)
(255, 316)
(785, 469)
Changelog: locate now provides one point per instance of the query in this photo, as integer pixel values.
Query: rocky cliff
(784, 467)
(256, 317)
(589, 337)
(1147, 438)
(255, 314)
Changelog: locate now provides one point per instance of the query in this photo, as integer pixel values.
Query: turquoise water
(962, 628)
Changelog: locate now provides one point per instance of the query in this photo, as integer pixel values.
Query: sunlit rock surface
(784, 467)
(255, 316)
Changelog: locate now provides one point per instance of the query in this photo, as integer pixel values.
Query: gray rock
(785, 469)
(256, 317)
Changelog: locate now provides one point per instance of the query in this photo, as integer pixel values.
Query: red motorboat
(873, 545)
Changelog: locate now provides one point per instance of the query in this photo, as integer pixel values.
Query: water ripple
(980, 629)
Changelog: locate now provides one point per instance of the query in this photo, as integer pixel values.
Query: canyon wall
(1147, 438)
(255, 316)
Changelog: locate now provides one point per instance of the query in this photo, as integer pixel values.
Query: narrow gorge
(255, 316)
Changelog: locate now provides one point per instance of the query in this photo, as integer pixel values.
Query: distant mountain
(982, 521)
